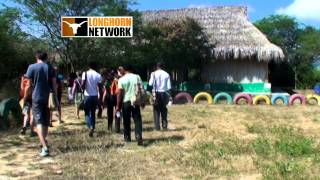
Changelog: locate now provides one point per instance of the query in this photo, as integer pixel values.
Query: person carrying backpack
(91, 81)
(129, 98)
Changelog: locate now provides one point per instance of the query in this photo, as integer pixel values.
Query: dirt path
(19, 154)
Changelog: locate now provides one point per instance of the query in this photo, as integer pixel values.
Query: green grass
(203, 142)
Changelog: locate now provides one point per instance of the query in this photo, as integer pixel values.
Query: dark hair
(159, 65)
(128, 67)
(93, 65)
(41, 55)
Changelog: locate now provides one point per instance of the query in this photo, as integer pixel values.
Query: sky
(307, 12)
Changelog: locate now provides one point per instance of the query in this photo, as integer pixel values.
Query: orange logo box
(108, 26)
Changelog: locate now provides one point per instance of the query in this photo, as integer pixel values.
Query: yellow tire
(258, 98)
(313, 96)
(201, 95)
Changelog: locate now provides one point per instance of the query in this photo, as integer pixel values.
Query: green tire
(222, 95)
(7, 106)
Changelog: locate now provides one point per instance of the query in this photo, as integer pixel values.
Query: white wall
(243, 71)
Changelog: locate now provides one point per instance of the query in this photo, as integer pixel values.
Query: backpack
(140, 94)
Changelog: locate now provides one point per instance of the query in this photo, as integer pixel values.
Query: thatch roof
(229, 29)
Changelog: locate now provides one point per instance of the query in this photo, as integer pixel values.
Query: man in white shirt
(161, 84)
(90, 83)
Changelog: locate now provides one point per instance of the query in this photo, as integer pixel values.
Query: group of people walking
(121, 92)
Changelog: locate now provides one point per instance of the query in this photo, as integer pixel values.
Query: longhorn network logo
(110, 26)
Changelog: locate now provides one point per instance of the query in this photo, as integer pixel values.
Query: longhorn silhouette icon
(74, 26)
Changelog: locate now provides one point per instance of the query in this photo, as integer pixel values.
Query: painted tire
(297, 96)
(313, 96)
(317, 89)
(10, 105)
(222, 95)
(205, 95)
(275, 97)
(245, 96)
(266, 99)
(183, 96)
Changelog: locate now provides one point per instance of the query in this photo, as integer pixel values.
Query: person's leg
(94, 102)
(87, 110)
(137, 123)
(78, 112)
(110, 112)
(42, 133)
(24, 126)
(41, 115)
(59, 107)
(60, 114)
(92, 114)
(163, 110)
(50, 119)
(25, 112)
(100, 108)
(32, 124)
(156, 113)
(126, 111)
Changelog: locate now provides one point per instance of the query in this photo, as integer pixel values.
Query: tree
(16, 47)
(300, 45)
(74, 52)
(180, 44)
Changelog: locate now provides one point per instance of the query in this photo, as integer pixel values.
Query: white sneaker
(44, 152)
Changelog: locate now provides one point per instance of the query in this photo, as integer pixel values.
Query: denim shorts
(41, 113)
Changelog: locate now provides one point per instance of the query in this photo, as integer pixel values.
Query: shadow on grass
(89, 146)
(151, 128)
(171, 139)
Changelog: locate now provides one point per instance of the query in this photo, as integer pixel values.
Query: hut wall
(235, 71)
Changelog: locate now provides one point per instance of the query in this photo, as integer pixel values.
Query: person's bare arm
(119, 99)
(74, 88)
(28, 90)
(104, 96)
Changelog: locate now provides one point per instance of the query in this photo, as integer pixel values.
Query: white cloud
(303, 10)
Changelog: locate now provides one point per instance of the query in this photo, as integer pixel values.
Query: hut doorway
(281, 76)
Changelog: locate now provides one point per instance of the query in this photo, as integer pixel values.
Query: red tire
(183, 97)
(245, 96)
(294, 97)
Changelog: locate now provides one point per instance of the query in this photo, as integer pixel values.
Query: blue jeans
(90, 106)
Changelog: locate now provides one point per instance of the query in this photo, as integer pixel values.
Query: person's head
(159, 65)
(120, 71)
(93, 65)
(110, 75)
(41, 55)
(79, 73)
(128, 68)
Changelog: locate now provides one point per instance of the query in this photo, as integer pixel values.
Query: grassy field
(203, 142)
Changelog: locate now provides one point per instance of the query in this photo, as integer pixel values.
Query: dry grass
(203, 142)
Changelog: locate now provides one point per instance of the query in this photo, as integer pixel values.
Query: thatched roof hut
(229, 29)
(242, 53)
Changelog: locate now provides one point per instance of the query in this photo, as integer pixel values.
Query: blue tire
(283, 97)
(317, 89)
(222, 95)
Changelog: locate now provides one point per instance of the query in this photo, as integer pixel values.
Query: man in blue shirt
(41, 78)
